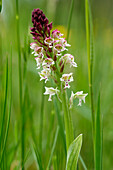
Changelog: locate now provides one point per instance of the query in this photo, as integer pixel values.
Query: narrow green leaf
(37, 156)
(69, 19)
(98, 138)
(5, 104)
(90, 53)
(9, 111)
(73, 153)
(53, 148)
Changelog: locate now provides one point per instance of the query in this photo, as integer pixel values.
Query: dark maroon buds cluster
(41, 27)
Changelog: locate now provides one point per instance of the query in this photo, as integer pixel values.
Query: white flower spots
(51, 91)
(67, 78)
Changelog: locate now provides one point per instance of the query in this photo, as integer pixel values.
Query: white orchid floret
(33, 45)
(67, 78)
(63, 42)
(51, 91)
(49, 41)
(38, 51)
(45, 74)
(58, 48)
(78, 95)
(68, 59)
(39, 61)
(48, 62)
(56, 34)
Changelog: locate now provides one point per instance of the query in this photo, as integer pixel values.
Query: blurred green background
(57, 11)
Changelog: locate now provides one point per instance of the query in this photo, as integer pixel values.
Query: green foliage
(102, 59)
(73, 153)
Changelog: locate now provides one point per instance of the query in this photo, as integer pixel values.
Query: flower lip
(56, 34)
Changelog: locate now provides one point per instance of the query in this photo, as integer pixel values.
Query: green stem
(41, 119)
(68, 125)
(20, 84)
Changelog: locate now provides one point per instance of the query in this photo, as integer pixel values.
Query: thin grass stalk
(41, 119)
(20, 83)
(90, 53)
(89, 39)
(53, 148)
(69, 19)
(91, 67)
(98, 137)
(9, 112)
(37, 156)
(4, 107)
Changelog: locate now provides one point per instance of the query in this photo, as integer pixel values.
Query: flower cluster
(50, 51)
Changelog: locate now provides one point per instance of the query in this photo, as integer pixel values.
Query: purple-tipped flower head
(40, 24)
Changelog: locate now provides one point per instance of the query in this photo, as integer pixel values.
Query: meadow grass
(32, 130)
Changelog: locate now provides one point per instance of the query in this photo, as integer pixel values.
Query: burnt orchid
(50, 49)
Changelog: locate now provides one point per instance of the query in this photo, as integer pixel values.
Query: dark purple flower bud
(32, 29)
(40, 24)
(50, 26)
(43, 16)
(55, 58)
(60, 63)
(62, 68)
(46, 21)
(50, 50)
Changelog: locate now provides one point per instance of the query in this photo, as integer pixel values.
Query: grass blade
(9, 112)
(98, 138)
(20, 83)
(37, 156)
(70, 17)
(4, 107)
(90, 53)
(53, 148)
